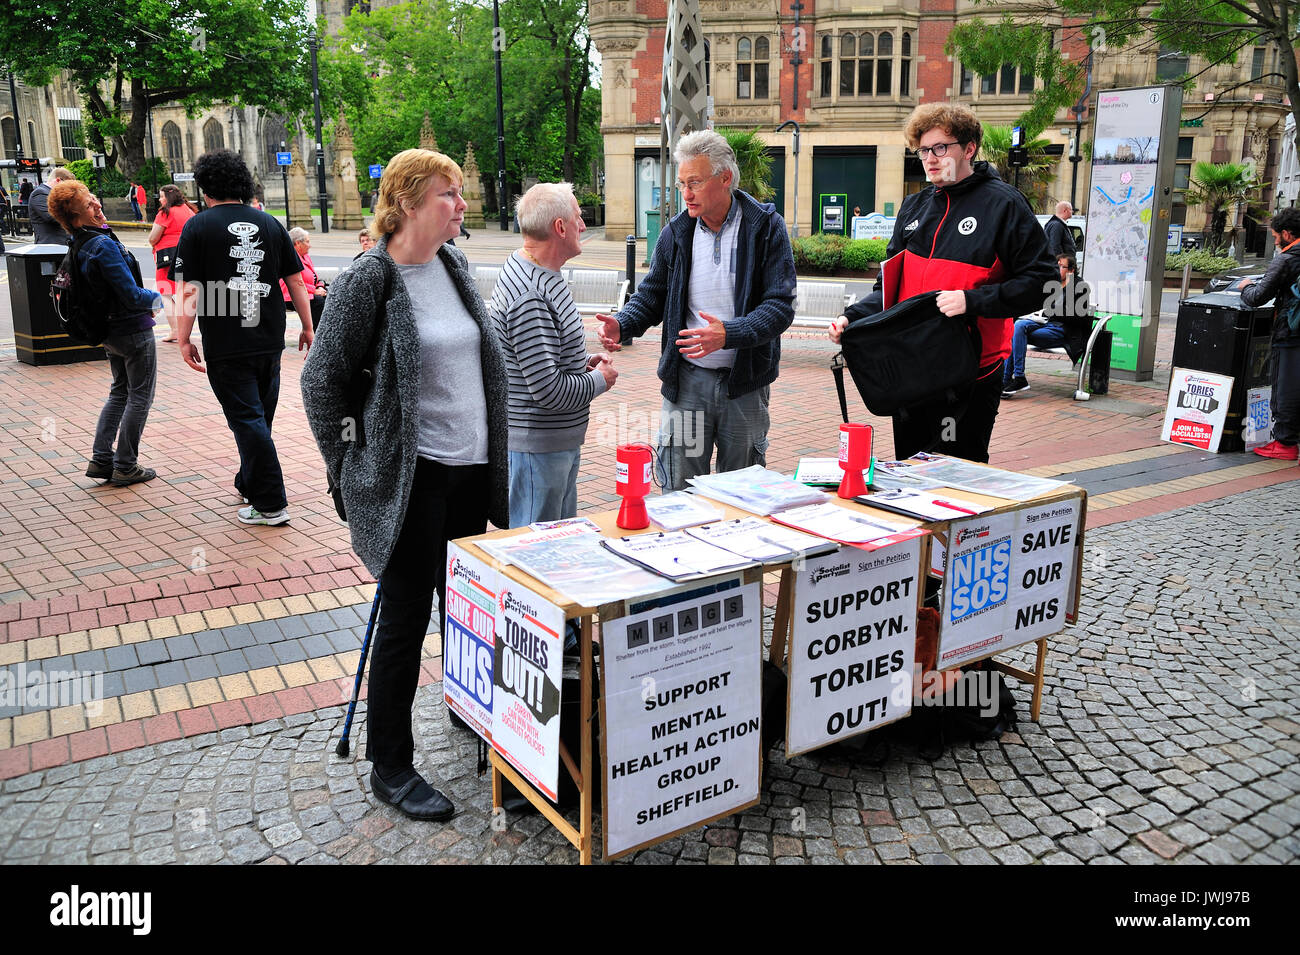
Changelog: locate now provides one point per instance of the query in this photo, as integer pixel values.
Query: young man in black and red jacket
(974, 239)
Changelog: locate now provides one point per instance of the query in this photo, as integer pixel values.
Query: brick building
(860, 71)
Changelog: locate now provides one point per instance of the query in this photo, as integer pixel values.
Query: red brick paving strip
(88, 744)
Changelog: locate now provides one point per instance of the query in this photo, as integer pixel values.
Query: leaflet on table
(837, 523)
(578, 566)
(895, 474)
(677, 509)
(582, 522)
(982, 479)
(501, 549)
(676, 555)
(926, 505)
(825, 472)
(762, 540)
(756, 489)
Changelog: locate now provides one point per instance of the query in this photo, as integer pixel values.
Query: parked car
(1232, 280)
(1076, 225)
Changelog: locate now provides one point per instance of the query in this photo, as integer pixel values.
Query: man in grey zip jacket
(722, 283)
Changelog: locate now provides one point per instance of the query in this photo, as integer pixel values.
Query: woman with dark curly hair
(112, 276)
(434, 464)
(174, 210)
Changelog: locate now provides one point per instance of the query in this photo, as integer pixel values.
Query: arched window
(274, 133)
(213, 136)
(827, 56)
(9, 131)
(848, 62)
(173, 152)
(884, 64)
(905, 67)
(752, 68)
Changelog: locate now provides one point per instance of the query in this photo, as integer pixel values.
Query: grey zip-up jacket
(376, 477)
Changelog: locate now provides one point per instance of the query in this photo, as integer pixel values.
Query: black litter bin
(39, 338)
(1216, 333)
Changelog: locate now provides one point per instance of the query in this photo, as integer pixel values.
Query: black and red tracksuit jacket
(978, 235)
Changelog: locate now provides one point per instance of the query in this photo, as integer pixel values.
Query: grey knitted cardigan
(376, 477)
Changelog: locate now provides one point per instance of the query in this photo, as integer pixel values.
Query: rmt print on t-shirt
(248, 256)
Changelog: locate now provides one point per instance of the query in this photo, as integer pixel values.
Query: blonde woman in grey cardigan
(421, 457)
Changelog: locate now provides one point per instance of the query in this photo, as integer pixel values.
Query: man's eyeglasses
(939, 149)
(692, 184)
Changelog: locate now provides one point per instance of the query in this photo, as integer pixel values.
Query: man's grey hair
(59, 174)
(706, 142)
(539, 207)
(299, 234)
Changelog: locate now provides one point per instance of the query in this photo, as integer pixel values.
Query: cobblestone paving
(1169, 732)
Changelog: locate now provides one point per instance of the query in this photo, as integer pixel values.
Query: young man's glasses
(695, 184)
(939, 149)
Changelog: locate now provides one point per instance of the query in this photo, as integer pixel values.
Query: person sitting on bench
(1065, 323)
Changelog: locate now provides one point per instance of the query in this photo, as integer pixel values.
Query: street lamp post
(320, 140)
(284, 181)
(502, 202)
(794, 221)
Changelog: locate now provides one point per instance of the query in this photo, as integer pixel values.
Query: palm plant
(1035, 177)
(755, 164)
(1219, 187)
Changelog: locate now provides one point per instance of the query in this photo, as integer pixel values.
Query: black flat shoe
(415, 797)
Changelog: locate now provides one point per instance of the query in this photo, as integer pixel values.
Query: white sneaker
(251, 515)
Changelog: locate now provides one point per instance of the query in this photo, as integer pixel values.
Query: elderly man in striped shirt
(552, 378)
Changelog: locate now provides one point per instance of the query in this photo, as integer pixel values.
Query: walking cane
(342, 748)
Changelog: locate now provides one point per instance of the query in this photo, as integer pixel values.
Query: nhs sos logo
(980, 579)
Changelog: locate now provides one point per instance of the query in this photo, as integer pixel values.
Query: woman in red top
(315, 287)
(173, 212)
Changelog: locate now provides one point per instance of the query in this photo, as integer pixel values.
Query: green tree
(754, 162)
(125, 56)
(1218, 187)
(1035, 178)
(1217, 30)
(396, 64)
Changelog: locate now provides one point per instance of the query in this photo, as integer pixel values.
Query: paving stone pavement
(1169, 732)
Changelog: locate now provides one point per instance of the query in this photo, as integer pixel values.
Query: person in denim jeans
(229, 263)
(112, 275)
(722, 285)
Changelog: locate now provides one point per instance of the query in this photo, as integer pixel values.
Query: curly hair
(222, 175)
(1286, 220)
(67, 202)
(406, 179)
(958, 120)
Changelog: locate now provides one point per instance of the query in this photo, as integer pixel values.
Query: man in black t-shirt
(230, 261)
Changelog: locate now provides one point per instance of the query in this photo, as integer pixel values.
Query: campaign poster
(1197, 408)
(976, 588)
(1257, 424)
(682, 711)
(853, 643)
(1044, 554)
(526, 677)
(467, 644)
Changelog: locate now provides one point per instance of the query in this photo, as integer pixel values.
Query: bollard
(1187, 280)
(631, 264)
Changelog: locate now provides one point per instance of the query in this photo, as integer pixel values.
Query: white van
(1076, 225)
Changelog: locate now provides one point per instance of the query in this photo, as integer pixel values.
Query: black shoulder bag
(359, 387)
(908, 356)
